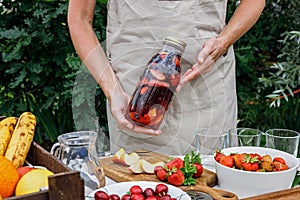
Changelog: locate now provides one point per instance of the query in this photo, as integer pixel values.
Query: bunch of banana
(16, 136)
(7, 126)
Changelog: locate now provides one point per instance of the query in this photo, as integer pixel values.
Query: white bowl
(246, 184)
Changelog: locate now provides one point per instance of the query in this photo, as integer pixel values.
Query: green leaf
(11, 34)
(18, 79)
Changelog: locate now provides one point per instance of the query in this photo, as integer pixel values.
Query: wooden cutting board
(121, 173)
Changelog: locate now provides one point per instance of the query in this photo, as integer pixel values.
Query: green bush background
(39, 66)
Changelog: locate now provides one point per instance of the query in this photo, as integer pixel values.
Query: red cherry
(165, 197)
(137, 197)
(101, 195)
(149, 192)
(136, 190)
(126, 197)
(152, 198)
(114, 197)
(161, 189)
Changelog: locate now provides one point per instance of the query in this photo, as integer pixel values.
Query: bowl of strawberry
(250, 171)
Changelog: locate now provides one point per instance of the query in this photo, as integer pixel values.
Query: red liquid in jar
(155, 90)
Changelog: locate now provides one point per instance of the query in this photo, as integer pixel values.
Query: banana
(2, 118)
(21, 139)
(7, 126)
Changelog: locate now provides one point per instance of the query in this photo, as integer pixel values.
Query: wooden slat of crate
(65, 184)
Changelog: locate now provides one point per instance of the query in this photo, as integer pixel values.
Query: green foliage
(38, 66)
(285, 74)
(257, 58)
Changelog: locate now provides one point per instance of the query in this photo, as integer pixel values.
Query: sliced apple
(136, 168)
(157, 74)
(149, 167)
(118, 157)
(130, 159)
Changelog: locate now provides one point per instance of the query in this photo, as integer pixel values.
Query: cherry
(136, 190)
(114, 197)
(166, 197)
(149, 192)
(161, 189)
(126, 197)
(137, 197)
(152, 198)
(101, 195)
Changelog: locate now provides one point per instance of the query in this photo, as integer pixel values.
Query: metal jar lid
(175, 42)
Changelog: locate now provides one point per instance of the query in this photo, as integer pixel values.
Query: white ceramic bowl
(246, 184)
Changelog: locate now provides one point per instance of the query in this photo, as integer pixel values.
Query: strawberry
(250, 166)
(238, 159)
(142, 119)
(278, 166)
(176, 178)
(250, 162)
(199, 169)
(227, 161)
(161, 174)
(176, 163)
(143, 90)
(156, 168)
(279, 159)
(218, 155)
(256, 155)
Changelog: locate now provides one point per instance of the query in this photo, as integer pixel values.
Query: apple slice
(130, 159)
(157, 74)
(118, 157)
(136, 168)
(149, 167)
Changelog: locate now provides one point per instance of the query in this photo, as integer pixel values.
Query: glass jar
(156, 87)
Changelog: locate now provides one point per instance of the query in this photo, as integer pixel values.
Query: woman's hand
(118, 105)
(212, 49)
(244, 17)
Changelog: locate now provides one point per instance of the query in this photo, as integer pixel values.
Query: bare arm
(244, 17)
(87, 46)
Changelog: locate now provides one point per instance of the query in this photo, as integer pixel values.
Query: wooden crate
(65, 184)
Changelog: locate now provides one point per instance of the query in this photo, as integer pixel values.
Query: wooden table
(208, 184)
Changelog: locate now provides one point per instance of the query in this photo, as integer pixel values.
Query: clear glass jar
(156, 87)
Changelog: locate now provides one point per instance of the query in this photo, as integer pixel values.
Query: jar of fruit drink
(156, 87)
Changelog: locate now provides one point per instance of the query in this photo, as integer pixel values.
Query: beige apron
(135, 31)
